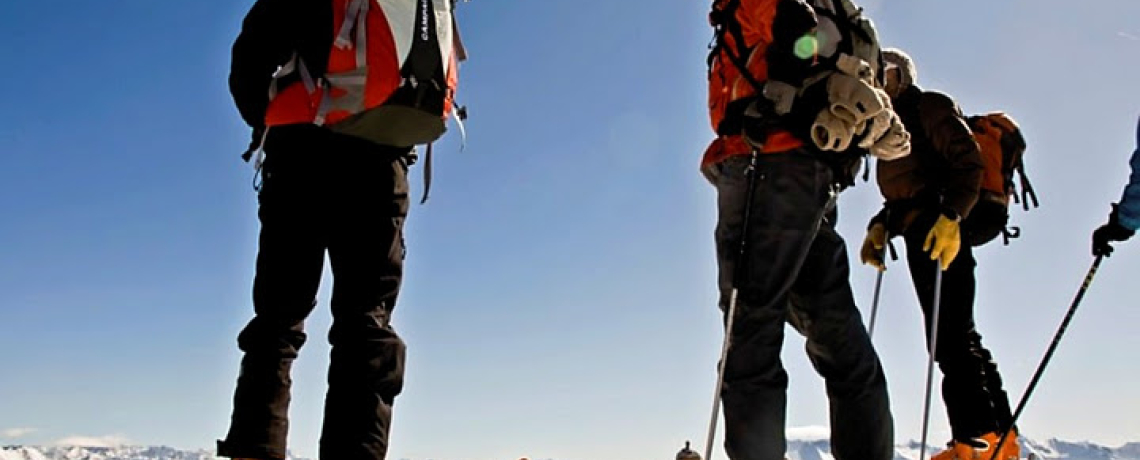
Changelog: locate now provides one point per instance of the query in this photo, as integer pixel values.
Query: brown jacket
(944, 167)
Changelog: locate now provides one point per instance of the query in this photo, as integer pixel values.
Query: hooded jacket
(945, 164)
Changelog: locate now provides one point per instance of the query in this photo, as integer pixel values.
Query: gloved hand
(853, 100)
(893, 143)
(830, 132)
(944, 240)
(1111, 231)
(873, 246)
(855, 67)
(875, 127)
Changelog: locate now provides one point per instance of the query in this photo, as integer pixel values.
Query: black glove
(1112, 231)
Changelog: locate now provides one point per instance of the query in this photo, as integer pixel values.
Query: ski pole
(732, 300)
(1049, 353)
(875, 305)
(878, 287)
(833, 196)
(930, 361)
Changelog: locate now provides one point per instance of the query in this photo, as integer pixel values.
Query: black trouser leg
(788, 255)
(970, 384)
(289, 264)
(367, 363)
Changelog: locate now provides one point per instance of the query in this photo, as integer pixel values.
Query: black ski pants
(795, 270)
(324, 193)
(972, 389)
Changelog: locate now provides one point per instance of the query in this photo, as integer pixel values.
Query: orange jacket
(764, 27)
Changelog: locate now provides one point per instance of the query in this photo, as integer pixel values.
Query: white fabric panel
(400, 14)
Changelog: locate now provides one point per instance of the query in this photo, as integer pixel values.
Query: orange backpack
(391, 77)
(1002, 148)
(738, 68)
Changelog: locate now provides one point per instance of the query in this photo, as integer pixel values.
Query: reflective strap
(352, 83)
(345, 79)
(350, 18)
(355, 17)
(323, 109)
(294, 64)
(289, 67)
(362, 34)
(306, 77)
(352, 86)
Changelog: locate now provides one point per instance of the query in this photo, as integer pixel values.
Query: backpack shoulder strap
(724, 22)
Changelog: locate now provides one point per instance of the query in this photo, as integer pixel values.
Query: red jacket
(768, 30)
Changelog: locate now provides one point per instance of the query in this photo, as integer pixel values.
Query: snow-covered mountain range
(103, 453)
(805, 449)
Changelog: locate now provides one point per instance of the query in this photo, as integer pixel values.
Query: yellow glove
(873, 244)
(944, 241)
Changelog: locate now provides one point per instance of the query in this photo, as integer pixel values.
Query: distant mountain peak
(105, 453)
(802, 448)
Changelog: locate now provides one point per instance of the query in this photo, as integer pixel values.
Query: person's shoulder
(936, 106)
(937, 100)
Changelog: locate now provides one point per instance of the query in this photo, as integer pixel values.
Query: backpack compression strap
(724, 22)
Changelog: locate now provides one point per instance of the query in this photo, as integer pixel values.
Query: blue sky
(559, 297)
